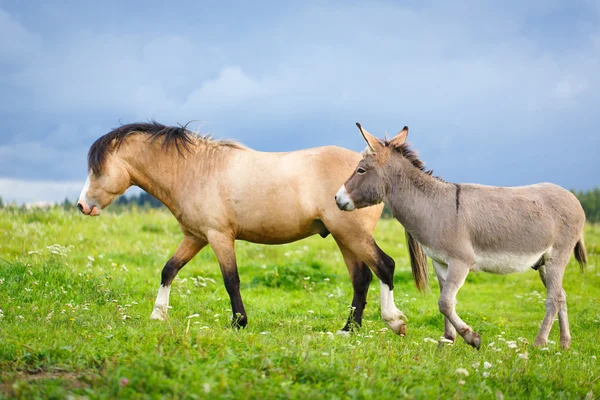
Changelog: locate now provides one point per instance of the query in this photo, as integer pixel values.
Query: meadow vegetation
(76, 293)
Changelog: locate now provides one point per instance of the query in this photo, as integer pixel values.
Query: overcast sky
(501, 93)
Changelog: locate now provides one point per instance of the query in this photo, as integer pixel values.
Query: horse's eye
(361, 171)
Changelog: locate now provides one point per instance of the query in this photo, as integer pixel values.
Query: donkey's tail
(418, 263)
(580, 254)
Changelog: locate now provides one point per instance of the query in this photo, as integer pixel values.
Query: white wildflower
(310, 311)
(485, 374)
(264, 333)
(476, 364)
(462, 371)
(524, 356)
(430, 340)
(487, 365)
(461, 382)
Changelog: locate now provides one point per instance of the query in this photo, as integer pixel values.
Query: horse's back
(281, 197)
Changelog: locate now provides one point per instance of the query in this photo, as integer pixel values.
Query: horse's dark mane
(410, 155)
(179, 136)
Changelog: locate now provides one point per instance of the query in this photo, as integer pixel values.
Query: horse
(221, 191)
(471, 227)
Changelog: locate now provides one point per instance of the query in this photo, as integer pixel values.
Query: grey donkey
(470, 227)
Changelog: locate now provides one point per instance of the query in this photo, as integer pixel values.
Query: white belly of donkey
(494, 262)
(505, 263)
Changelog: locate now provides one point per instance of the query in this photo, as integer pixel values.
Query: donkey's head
(368, 184)
(107, 177)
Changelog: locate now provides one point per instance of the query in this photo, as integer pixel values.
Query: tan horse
(467, 227)
(221, 191)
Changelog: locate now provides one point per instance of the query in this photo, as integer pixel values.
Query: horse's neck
(160, 173)
(419, 201)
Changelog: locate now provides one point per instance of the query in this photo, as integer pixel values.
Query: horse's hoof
(398, 327)
(158, 315)
(539, 342)
(565, 344)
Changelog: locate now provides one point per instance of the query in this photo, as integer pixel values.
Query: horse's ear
(400, 138)
(372, 141)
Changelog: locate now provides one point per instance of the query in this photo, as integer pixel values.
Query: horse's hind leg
(556, 299)
(361, 277)
(223, 246)
(441, 271)
(188, 248)
(365, 248)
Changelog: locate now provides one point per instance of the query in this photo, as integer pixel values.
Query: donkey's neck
(418, 200)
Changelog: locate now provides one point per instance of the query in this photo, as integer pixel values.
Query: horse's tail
(418, 263)
(580, 254)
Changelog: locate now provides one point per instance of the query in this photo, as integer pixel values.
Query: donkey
(221, 191)
(469, 227)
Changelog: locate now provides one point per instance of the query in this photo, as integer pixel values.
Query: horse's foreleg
(455, 278)
(441, 271)
(223, 246)
(361, 277)
(188, 248)
(556, 300)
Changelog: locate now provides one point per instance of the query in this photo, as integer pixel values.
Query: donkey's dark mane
(179, 136)
(410, 155)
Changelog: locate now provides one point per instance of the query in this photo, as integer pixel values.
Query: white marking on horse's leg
(455, 278)
(390, 314)
(343, 200)
(162, 303)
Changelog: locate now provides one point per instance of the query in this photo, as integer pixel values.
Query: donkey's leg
(361, 277)
(556, 299)
(188, 248)
(563, 320)
(457, 273)
(441, 271)
(223, 246)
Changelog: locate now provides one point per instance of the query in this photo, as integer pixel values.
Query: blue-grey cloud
(493, 93)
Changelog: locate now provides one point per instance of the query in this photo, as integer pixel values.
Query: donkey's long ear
(400, 138)
(372, 141)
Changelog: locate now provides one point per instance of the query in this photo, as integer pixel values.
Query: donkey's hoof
(158, 314)
(540, 342)
(473, 339)
(565, 343)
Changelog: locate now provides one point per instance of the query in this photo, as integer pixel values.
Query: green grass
(76, 294)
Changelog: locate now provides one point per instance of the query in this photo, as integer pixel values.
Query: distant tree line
(143, 199)
(590, 200)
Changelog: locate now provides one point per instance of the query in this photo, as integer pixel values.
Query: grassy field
(76, 294)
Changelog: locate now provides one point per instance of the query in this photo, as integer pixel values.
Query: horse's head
(367, 185)
(107, 178)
